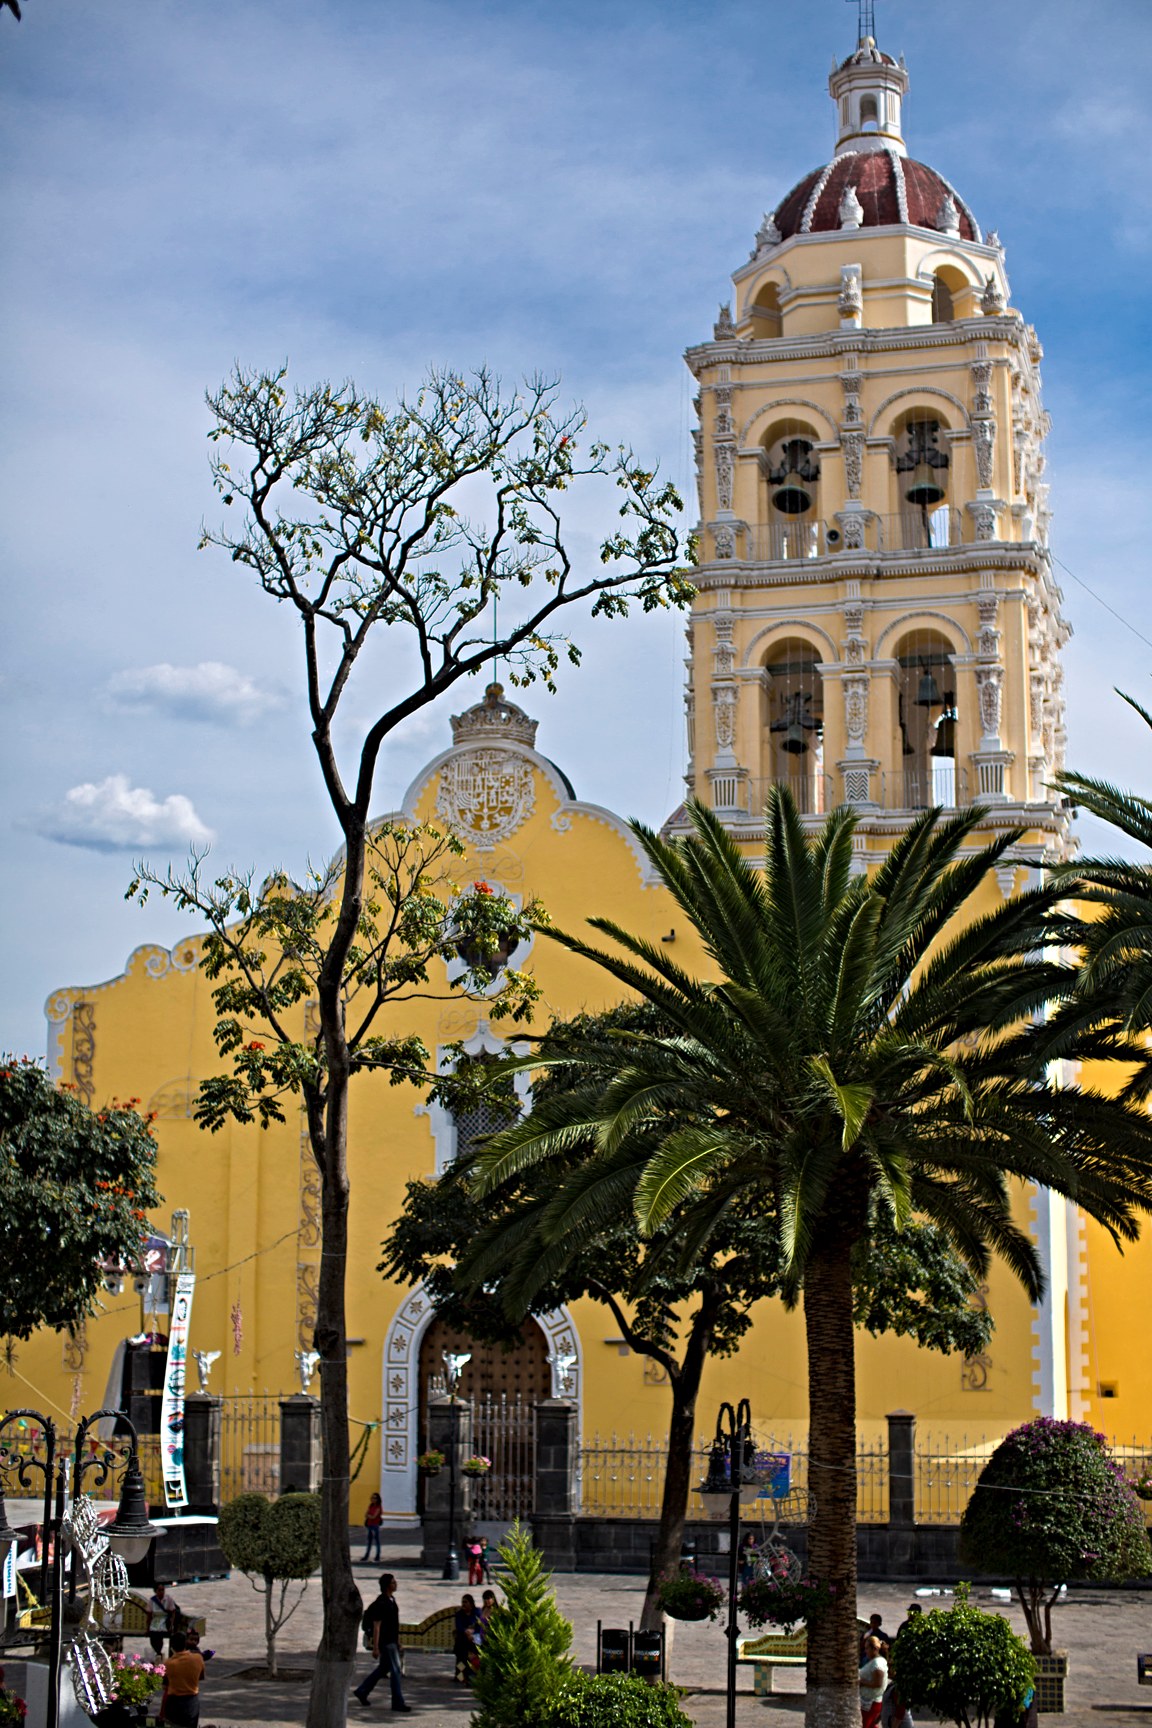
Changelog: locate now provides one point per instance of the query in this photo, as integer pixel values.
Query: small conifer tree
(524, 1659)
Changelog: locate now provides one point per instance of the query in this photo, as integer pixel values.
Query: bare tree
(436, 524)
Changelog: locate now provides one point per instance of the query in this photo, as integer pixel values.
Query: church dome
(888, 187)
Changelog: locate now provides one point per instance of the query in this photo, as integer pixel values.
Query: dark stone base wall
(926, 1554)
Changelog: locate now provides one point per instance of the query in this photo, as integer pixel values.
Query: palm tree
(858, 1055)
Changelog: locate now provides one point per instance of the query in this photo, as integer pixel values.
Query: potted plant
(690, 1595)
(12, 1707)
(135, 1681)
(776, 1600)
(430, 1463)
(1051, 1506)
(476, 1465)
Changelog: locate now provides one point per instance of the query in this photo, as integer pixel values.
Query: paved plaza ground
(1102, 1630)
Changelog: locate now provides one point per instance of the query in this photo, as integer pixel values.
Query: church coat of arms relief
(485, 794)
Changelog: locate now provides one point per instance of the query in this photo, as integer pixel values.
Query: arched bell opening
(794, 722)
(791, 469)
(927, 722)
(767, 319)
(921, 465)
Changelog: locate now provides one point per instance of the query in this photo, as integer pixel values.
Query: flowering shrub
(1051, 1505)
(12, 1708)
(782, 1601)
(690, 1595)
(134, 1679)
(476, 1465)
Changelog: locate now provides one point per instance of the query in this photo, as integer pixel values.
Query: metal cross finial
(867, 11)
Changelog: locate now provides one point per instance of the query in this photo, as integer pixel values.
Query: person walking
(373, 1519)
(162, 1612)
(384, 1619)
(183, 1672)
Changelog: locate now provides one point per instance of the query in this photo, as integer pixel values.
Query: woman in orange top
(183, 1672)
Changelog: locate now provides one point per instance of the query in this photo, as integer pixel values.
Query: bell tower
(877, 621)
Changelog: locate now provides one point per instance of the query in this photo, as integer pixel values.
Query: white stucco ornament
(485, 794)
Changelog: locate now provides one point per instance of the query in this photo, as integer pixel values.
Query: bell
(928, 692)
(925, 494)
(792, 500)
(794, 741)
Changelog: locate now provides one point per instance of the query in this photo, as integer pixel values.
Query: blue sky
(366, 188)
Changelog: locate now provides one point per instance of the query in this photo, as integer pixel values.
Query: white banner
(8, 1587)
(172, 1403)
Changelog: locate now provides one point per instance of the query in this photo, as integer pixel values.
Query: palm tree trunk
(833, 1665)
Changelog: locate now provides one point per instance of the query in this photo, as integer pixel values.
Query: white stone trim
(441, 1121)
(400, 1395)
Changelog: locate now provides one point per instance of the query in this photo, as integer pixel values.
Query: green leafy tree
(1051, 1506)
(275, 1543)
(865, 1048)
(615, 1701)
(566, 1228)
(524, 1658)
(431, 529)
(963, 1665)
(76, 1186)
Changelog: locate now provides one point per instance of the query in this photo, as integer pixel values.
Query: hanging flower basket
(780, 1601)
(12, 1707)
(477, 1465)
(690, 1595)
(1143, 1487)
(430, 1463)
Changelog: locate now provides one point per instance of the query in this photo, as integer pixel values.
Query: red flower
(482, 887)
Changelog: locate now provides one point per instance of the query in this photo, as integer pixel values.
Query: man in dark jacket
(384, 1618)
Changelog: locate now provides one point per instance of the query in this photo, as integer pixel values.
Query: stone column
(447, 1517)
(557, 1458)
(301, 1458)
(202, 1419)
(901, 1491)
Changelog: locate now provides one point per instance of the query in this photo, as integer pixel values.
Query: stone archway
(401, 1393)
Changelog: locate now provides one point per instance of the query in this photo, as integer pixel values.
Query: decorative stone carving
(852, 527)
(856, 709)
(852, 444)
(486, 794)
(992, 300)
(993, 239)
(494, 721)
(724, 327)
(988, 637)
(856, 786)
(723, 396)
(855, 649)
(989, 685)
(854, 615)
(851, 209)
(725, 458)
(767, 235)
(725, 654)
(1036, 684)
(851, 301)
(984, 442)
(984, 521)
(724, 715)
(724, 538)
(981, 382)
(948, 216)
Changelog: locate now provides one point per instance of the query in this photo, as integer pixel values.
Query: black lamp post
(455, 1362)
(731, 1477)
(64, 1467)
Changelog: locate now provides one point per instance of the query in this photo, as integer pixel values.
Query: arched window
(921, 463)
(943, 307)
(869, 114)
(927, 721)
(791, 469)
(794, 722)
(765, 313)
(951, 295)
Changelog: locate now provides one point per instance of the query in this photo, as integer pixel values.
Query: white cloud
(113, 816)
(211, 691)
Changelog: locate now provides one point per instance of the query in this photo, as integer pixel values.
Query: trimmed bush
(1051, 1506)
(275, 1543)
(962, 1664)
(615, 1701)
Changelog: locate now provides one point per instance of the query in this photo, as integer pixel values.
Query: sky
(364, 189)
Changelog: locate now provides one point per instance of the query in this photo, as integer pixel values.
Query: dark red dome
(891, 188)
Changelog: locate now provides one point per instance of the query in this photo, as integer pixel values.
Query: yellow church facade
(877, 624)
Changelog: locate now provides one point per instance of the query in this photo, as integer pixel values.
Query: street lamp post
(455, 1362)
(730, 1479)
(69, 1521)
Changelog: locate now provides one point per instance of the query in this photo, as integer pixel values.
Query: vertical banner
(172, 1403)
(8, 1571)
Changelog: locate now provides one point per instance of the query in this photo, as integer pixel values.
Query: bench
(435, 1632)
(769, 1650)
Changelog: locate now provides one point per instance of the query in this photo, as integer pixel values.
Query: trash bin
(648, 1655)
(614, 1649)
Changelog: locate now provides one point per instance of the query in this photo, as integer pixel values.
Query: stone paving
(1103, 1631)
